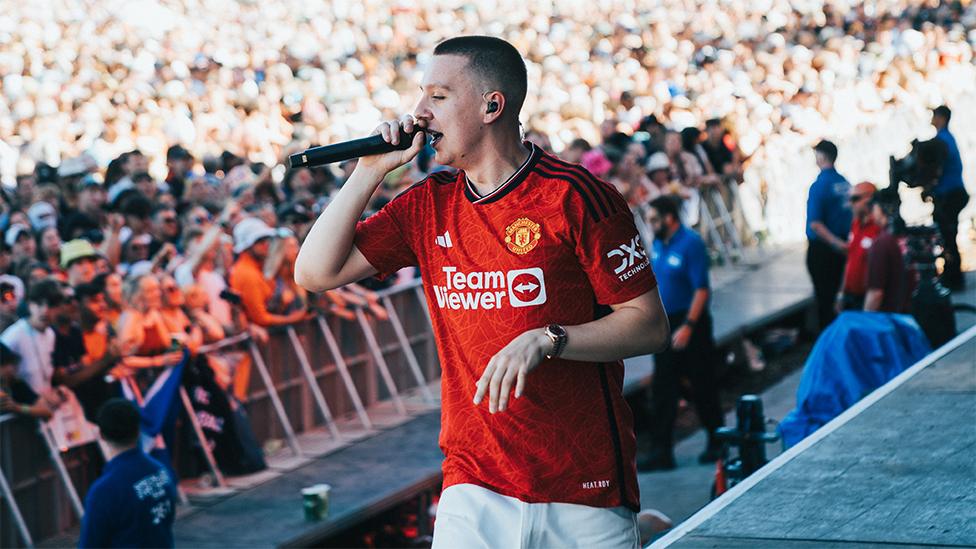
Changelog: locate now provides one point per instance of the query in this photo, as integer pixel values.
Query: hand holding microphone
(391, 145)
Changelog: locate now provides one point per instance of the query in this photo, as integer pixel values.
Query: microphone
(346, 150)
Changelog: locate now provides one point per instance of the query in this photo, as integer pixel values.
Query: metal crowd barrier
(721, 222)
(333, 376)
(45, 478)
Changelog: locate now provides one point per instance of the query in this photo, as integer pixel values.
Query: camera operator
(950, 197)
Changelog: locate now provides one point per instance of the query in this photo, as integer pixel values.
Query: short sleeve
(612, 254)
(381, 237)
(697, 259)
(814, 205)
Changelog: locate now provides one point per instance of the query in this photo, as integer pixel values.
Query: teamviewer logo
(526, 287)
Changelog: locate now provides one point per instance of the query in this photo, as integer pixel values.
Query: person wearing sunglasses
(165, 228)
(863, 233)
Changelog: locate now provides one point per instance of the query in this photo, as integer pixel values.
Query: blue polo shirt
(681, 267)
(132, 504)
(828, 203)
(952, 167)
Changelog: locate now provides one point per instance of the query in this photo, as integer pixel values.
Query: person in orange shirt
(252, 242)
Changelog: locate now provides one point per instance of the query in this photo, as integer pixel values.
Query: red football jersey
(551, 245)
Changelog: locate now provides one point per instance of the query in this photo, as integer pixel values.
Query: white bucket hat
(248, 232)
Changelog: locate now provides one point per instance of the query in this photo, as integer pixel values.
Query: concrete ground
(895, 470)
(682, 492)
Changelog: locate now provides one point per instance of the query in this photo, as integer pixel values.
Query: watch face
(556, 330)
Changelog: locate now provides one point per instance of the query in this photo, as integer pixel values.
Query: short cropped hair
(46, 292)
(667, 205)
(118, 421)
(496, 62)
(887, 200)
(943, 111)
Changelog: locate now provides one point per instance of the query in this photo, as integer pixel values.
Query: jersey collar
(508, 186)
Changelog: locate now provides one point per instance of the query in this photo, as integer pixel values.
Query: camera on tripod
(921, 167)
(931, 303)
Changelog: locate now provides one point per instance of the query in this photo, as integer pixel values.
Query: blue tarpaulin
(855, 355)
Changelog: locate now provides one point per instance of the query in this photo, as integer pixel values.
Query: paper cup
(312, 504)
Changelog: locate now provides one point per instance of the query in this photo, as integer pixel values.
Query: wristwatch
(557, 335)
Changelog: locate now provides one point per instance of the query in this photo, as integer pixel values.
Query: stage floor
(900, 471)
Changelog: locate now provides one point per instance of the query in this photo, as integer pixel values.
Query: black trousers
(946, 216)
(690, 371)
(826, 268)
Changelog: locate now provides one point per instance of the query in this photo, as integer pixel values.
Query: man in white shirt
(33, 338)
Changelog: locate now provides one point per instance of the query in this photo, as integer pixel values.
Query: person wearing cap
(89, 212)
(252, 242)
(133, 503)
(659, 171)
(828, 224)
(42, 215)
(20, 240)
(296, 217)
(863, 233)
(949, 197)
(78, 260)
(73, 167)
(889, 281)
(179, 162)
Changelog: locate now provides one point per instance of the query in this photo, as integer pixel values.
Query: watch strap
(557, 335)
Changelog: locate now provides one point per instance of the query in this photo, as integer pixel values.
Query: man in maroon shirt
(863, 233)
(889, 283)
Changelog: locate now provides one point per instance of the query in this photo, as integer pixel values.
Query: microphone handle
(346, 150)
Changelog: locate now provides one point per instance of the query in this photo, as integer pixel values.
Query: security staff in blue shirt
(133, 503)
(829, 218)
(949, 197)
(680, 263)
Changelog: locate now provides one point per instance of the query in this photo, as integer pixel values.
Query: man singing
(537, 285)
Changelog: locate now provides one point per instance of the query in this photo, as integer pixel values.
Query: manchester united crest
(522, 235)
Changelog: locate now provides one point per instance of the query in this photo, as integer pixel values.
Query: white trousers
(472, 517)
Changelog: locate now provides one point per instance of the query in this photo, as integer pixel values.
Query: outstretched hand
(511, 365)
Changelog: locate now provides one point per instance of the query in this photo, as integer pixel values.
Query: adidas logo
(444, 240)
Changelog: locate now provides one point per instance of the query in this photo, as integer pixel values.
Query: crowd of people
(148, 208)
(280, 75)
